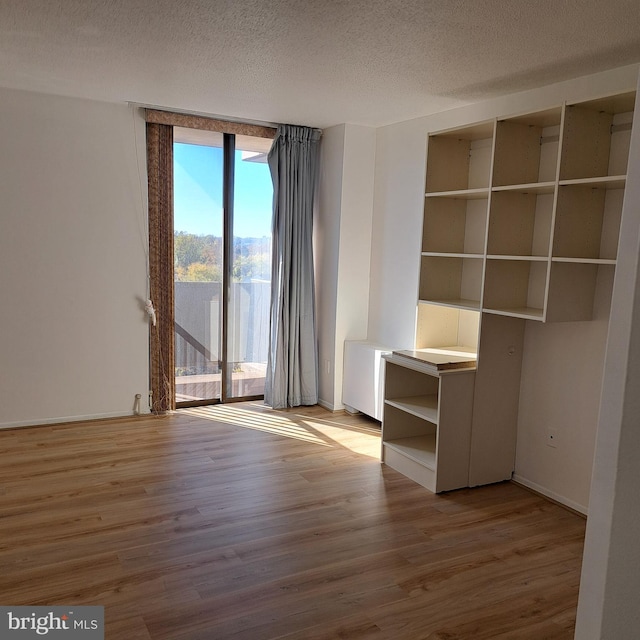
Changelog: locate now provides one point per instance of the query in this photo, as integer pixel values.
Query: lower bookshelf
(420, 449)
(426, 426)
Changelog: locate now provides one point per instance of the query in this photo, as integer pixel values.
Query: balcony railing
(197, 346)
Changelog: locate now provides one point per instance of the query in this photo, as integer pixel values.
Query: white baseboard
(550, 494)
(330, 406)
(41, 422)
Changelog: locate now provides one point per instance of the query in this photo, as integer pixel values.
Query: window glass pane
(250, 288)
(198, 220)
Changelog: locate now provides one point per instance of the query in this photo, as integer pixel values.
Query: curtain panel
(292, 367)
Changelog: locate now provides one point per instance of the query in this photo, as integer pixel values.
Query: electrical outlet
(552, 438)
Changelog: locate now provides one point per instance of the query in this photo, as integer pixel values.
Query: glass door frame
(228, 196)
(159, 143)
(228, 179)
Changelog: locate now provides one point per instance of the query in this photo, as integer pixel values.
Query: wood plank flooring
(240, 522)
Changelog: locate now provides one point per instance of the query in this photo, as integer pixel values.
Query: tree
(199, 272)
(198, 258)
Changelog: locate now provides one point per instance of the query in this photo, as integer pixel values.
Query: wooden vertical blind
(162, 341)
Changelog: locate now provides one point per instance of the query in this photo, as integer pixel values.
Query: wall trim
(67, 419)
(550, 494)
(330, 406)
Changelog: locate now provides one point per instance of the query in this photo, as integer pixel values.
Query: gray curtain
(292, 367)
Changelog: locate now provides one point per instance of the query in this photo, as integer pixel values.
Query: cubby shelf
(526, 149)
(516, 286)
(459, 160)
(507, 201)
(596, 138)
(454, 225)
(452, 279)
(587, 221)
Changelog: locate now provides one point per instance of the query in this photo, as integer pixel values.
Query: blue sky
(198, 193)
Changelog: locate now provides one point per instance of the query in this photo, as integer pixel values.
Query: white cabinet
(363, 381)
(426, 428)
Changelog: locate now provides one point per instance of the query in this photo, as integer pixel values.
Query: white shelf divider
(420, 449)
(425, 407)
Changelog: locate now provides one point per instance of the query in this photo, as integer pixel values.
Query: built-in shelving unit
(521, 213)
(521, 223)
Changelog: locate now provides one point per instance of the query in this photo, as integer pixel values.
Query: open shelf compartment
(520, 223)
(596, 138)
(411, 391)
(526, 148)
(455, 225)
(444, 327)
(420, 449)
(516, 287)
(460, 159)
(587, 224)
(572, 290)
(453, 281)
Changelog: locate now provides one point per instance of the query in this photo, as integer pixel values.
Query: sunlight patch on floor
(359, 441)
(325, 432)
(272, 423)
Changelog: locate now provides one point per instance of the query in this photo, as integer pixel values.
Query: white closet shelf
(535, 187)
(528, 313)
(445, 254)
(460, 194)
(583, 260)
(497, 256)
(420, 449)
(425, 407)
(603, 182)
(459, 303)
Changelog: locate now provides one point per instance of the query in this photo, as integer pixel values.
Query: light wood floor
(239, 522)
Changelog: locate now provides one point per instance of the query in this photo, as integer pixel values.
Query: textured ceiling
(316, 62)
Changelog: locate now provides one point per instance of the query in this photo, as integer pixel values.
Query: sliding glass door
(222, 265)
(247, 335)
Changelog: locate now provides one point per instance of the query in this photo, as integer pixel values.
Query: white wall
(73, 335)
(343, 249)
(560, 391)
(608, 603)
(326, 231)
(562, 364)
(355, 245)
(397, 232)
